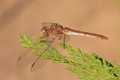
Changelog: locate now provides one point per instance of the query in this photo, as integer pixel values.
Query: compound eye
(44, 33)
(44, 28)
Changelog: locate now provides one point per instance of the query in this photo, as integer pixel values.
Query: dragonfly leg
(64, 41)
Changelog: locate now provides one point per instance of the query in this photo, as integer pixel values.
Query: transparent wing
(47, 24)
(37, 63)
(26, 58)
(53, 41)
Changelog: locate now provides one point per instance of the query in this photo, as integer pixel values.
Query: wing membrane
(47, 24)
(26, 58)
(37, 63)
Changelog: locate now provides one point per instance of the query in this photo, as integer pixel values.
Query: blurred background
(25, 17)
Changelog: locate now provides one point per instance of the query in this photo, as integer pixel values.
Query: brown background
(25, 17)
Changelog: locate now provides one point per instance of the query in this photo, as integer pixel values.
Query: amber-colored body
(57, 29)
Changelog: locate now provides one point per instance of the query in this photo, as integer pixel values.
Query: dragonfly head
(44, 31)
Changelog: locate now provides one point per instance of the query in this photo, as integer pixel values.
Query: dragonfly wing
(39, 62)
(47, 24)
(52, 42)
(26, 58)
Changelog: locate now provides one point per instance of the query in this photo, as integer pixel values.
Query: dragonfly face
(51, 32)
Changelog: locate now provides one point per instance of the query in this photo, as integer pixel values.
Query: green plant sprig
(83, 65)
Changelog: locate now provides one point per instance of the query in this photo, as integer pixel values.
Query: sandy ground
(25, 17)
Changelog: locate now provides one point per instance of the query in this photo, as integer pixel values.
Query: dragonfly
(52, 32)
